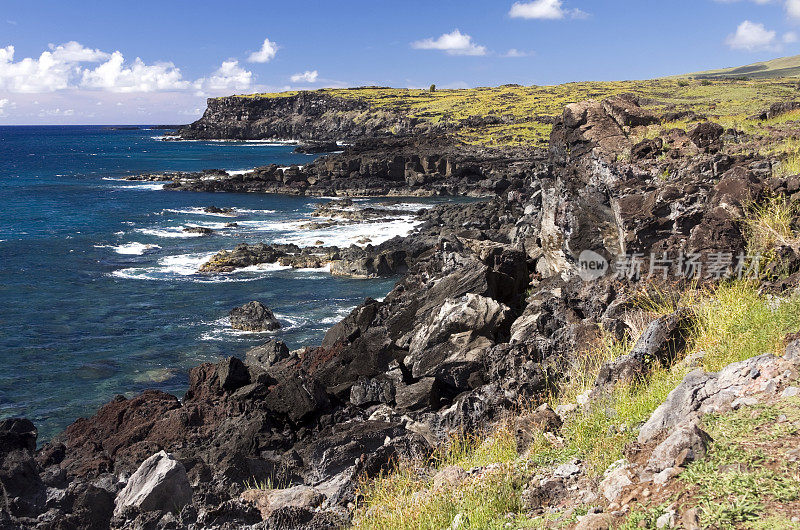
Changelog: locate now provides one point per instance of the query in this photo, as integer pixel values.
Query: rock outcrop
(253, 316)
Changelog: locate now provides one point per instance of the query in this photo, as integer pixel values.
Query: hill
(781, 67)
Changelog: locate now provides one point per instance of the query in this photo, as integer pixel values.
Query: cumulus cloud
(72, 66)
(544, 9)
(751, 36)
(265, 54)
(309, 76)
(114, 76)
(4, 103)
(227, 78)
(453, 43)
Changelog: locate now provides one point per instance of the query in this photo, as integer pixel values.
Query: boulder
(253, 316)
(160, 484)
(297, 398)
(685, 444)
(22, 492)
(661, 342)
(232, 374)
(267, 354)
(268, 501)
(707, 135)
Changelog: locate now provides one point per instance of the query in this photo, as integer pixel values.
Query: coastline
(488, 309)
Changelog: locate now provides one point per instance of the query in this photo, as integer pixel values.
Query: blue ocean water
(98, 287)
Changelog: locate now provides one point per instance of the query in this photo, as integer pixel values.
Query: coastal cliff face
(492, 311)
(303, 116)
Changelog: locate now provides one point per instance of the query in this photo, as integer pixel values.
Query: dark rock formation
(253, 316)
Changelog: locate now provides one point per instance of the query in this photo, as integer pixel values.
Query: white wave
(350, 234)
(262, 267)
(134, 248)
(158, 137)
(169, 232)
(150, 186)
(245, 210)
(197, 210)
(240, 172)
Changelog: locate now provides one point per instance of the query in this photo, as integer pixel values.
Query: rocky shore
(403, 167)
(493, 308)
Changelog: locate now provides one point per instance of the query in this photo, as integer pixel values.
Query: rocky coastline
(491, 309)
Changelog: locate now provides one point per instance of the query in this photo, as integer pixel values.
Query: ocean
(98, 283)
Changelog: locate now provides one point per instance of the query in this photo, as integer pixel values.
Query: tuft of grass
(406, 499)
(772, 223)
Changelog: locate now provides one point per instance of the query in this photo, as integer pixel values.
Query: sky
(151, 62)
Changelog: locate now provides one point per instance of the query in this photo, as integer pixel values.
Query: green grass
(740, 481)
(732, 101)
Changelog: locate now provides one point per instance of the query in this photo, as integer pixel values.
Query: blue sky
(156, 62)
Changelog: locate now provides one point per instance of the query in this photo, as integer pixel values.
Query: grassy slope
(734, 322)
(733, 100)
(781, 67)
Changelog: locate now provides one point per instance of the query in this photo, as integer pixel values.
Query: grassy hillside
(776, 68)
(525, 113)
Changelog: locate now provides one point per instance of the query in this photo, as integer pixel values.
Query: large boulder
(160, 484)
(661, 342)
(23, 493)
(253, 316)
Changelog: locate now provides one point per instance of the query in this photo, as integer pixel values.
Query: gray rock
(790, 391)
(367, 391)
(253, 316)
(612, 485)
(422, 394)
(701, 393)
(159, 484)
(686, 443)
(267, 354)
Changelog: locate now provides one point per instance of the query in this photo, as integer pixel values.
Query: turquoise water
(98, 287)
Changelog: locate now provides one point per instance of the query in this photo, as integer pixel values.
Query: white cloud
(309, 76)
(793, 8)
(454, 43)
(114, 76)
(4, 102)
(544, 9)
(513, 53)
(751, 36)
(227, 78)
(265, 54)
(790, 37)
(65, 66)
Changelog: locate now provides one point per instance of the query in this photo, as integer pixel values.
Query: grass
(526, 109)
(734, 322)
(746, 475)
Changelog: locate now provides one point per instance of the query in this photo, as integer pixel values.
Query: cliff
(301, 116)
